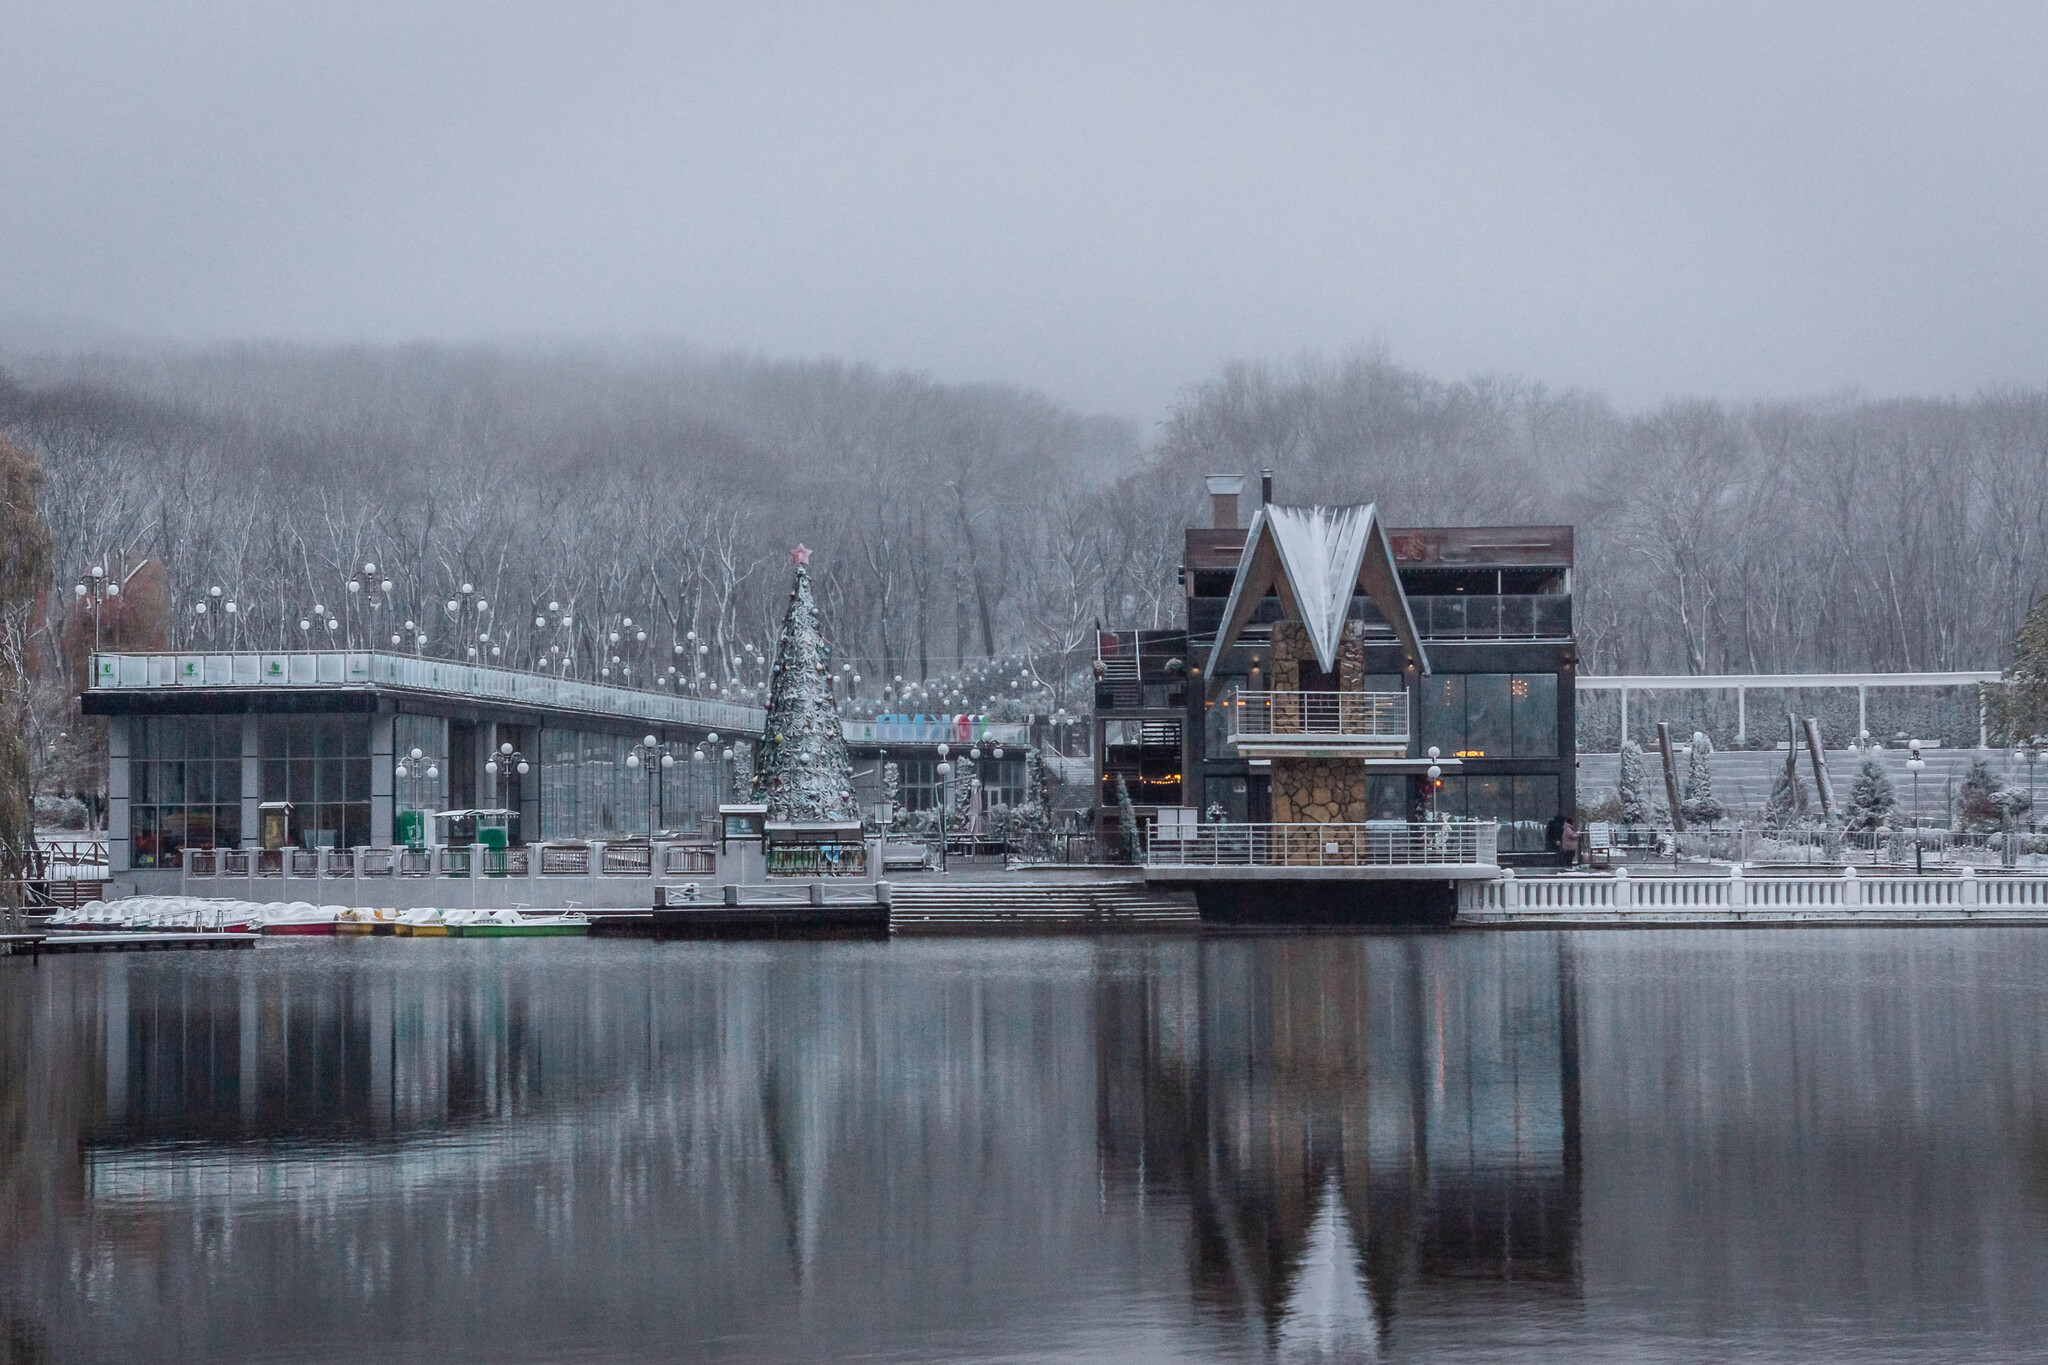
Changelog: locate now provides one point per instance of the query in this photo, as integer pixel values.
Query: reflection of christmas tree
(802, 771)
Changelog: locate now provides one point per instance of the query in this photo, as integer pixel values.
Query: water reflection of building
(1351, 1122)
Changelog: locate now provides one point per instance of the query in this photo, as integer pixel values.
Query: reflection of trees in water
(1408, 1105)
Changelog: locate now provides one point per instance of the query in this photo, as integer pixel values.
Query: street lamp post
(1914, 765)
(944, 772)
(658, 758)
(94, 589)
(502, 766)
(359, 586)
(2029, 751)
(416, 766)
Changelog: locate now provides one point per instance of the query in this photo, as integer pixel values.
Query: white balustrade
(1745, 893)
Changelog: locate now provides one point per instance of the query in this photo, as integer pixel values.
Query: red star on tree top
(800, 555)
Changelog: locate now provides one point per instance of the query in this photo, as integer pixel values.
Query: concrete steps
(1025, 906)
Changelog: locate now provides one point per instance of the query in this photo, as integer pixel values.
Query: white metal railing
(1741, 893)
(1388, 843)
(1376, 716)
(337, 668)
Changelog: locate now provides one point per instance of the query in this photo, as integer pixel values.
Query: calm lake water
(1772, 1144)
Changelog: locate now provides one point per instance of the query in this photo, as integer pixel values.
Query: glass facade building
(321, 765)
(184, 786)
(587, 790)
(186, 781)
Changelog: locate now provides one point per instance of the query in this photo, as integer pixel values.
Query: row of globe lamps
(460, 608)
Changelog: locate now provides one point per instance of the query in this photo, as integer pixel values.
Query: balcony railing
(1526, 616)
(1378, 843)
(343, 668)
(1365, 717)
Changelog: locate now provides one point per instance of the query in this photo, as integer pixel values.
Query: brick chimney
(1223, 491)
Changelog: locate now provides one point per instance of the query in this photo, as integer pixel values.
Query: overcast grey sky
(1102, 200)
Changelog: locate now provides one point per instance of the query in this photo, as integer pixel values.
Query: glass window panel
(326, 737)
(1535, 800)
(1489, 729)
(1443, 712)
(356, 772)
(1228, 792)
(1534, 696)
(227, 780)
(167, 737)
(170, 834)
(227, 826)
(298, 785)
(1518, 617)
(1489, 798)
(1450, 796)
(142, 836)
(199, 739)
(272, 737)
(273, 779)
(1386, 797)
(355, 826)
(170, 783)
(1216, 728)
(199, 783)
(328, 773)
(141, 782)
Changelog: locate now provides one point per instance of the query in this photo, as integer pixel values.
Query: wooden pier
(140, 941)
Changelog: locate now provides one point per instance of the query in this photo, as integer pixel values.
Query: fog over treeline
(956, 523)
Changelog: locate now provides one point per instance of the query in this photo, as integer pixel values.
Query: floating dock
(139, 941)
(810, 910)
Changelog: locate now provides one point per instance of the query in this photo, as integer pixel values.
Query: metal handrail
(1360, 715)
(350, 668)
(565, 860)
(689, 860)
(1390, 843)
(628, 860)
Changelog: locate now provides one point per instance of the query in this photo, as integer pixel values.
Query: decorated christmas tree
(802, 771)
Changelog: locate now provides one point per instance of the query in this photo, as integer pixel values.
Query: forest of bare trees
(954, 524)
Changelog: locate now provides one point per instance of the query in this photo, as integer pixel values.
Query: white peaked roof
(1315, 558)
